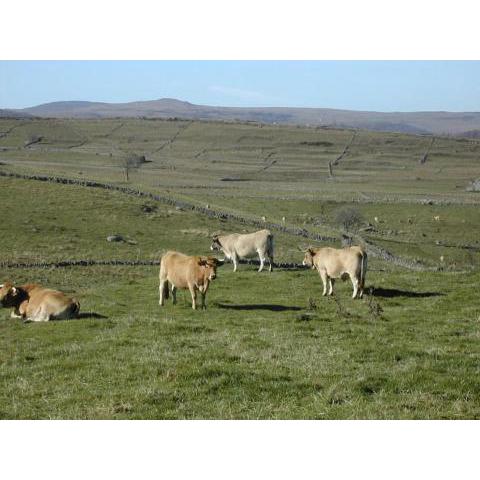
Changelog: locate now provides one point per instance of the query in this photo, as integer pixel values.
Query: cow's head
(308, 258)
(209, 266)
(215, 243)
(9, 295)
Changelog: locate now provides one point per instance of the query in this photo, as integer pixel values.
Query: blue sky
(356, 85)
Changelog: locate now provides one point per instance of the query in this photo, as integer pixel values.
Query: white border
(247, 29)
(238, 450)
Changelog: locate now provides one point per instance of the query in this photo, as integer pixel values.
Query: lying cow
(236, 246)
(182, 271)
(34, 303)
(332, 263)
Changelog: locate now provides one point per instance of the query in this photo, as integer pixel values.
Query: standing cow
(34, 303)
(182, 271)
(236, 246)
(332, 263)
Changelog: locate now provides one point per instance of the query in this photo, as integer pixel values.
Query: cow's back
(248, 243)
(338, 261)
(51, 302)
(177, 268)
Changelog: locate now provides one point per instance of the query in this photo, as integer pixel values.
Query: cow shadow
(90, 315)
(393, 292)
(260, 306)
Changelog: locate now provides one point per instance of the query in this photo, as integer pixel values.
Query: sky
(354, 85)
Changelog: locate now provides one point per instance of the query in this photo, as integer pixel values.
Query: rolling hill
(438, 123)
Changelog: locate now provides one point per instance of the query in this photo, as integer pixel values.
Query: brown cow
(332, 263)
(183, 271)
(34, 303)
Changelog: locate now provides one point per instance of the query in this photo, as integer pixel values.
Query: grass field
(268, 346)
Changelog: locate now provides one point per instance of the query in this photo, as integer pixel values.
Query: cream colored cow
(333, 263)
(236, 246)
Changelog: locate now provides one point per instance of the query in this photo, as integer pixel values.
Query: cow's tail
(166, 292)
(162, 276)
(270, 249)
(363, 269)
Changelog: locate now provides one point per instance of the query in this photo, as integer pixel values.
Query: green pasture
(268, 345)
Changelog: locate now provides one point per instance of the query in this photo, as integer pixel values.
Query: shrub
(349, 219)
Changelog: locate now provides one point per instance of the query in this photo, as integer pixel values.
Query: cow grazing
(332, 263)
(236, 246)
(34, 303)
(182, 271)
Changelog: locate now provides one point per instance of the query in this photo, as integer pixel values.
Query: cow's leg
(324, 277)
(15, 314)
(161, 290)
(193, 293)
(203, 301)
(355, 283)
(235, 262)
(174, 294)
(262, 261)
(270, 262)
(331, 282)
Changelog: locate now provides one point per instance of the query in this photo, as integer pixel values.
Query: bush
(349, 219)
(474, 186)
(130, 162)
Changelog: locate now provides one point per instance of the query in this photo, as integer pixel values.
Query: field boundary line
(373, 249)
(126, 263)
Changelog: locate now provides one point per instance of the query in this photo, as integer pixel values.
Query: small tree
(349, 219)
(474, 186)
(131, 161)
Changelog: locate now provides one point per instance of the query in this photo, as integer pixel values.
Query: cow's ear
(311, 251)
(202, 261)
(13, 291)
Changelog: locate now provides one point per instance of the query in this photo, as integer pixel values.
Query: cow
(186, 272)
(236, 246)
(34, 303)
(332, 263)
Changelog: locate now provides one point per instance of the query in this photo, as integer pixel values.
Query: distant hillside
(408, 122)
(471, 134)
(6, 113)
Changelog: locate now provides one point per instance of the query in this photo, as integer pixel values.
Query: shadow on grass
(393, 292)
(90, 315)
(261, 306)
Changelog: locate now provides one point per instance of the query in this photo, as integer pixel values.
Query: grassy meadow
(268, 346)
